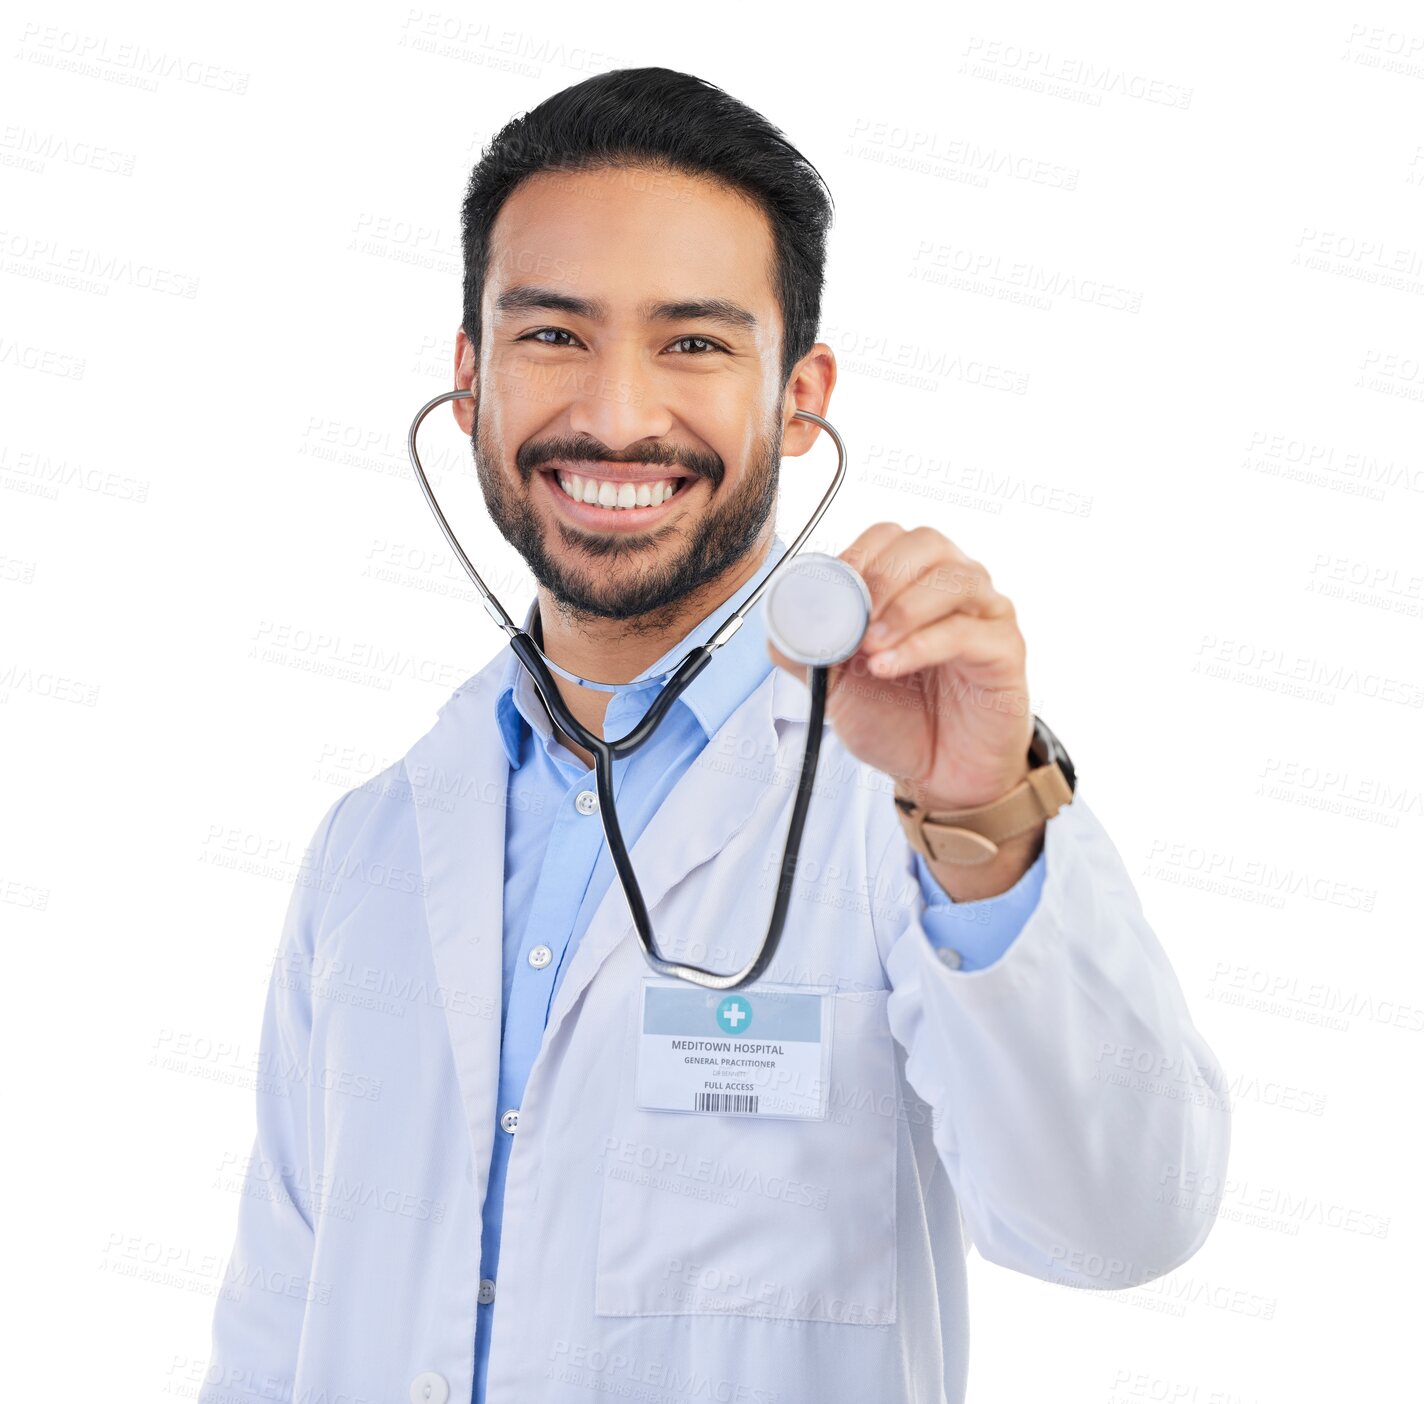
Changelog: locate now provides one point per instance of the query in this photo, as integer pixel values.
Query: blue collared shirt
(557, 868)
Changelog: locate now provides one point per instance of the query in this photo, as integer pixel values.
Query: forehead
(625, 232)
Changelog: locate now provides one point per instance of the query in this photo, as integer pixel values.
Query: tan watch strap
(973, 835)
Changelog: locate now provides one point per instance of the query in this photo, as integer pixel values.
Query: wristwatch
(968, 836)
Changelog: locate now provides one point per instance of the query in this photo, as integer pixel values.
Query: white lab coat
(1035, 1108)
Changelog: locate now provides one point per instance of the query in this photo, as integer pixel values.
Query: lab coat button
(951, 957)
(586, 802)
(486, 1293)
(540, 956)
(510, 1120)
(429, 1388)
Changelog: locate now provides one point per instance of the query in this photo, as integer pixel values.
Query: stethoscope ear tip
(817, 610)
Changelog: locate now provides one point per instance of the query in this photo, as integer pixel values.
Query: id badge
(763, 1050)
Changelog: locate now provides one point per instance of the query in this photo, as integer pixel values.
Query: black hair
(674, 122)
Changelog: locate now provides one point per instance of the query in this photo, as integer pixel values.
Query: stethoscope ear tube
(500, 615)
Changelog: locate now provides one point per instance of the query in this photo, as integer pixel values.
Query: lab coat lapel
(459, 778)
(701, 813)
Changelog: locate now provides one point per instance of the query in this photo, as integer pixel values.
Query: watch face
(1047, 748)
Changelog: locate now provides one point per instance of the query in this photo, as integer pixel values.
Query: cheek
(500, 434)
(497, 464)
(526, 388)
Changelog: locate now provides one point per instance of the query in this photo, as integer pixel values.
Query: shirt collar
(711, 697)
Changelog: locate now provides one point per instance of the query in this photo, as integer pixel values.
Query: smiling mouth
(617, 494)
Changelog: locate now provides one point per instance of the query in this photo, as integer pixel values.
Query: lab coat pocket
(707, 1213)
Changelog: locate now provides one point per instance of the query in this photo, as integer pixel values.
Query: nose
(618, 401)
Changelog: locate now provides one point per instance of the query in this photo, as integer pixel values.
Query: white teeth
(616, 495)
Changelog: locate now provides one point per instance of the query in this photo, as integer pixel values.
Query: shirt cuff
(978, 932)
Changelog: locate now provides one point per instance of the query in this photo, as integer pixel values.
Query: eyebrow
(707, 309)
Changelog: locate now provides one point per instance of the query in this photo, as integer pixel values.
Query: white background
(1194, 459)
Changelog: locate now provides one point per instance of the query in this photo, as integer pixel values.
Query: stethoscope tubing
(605, 752)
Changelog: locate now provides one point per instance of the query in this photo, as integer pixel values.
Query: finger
(797, 670)
(901, 561)
(944, 590)
(863, 550)
(965, 638)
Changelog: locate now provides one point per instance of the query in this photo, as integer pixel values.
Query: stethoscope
(817, 616)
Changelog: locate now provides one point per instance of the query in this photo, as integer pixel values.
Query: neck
(618, 650)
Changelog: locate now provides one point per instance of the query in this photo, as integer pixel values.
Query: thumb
(799, 671)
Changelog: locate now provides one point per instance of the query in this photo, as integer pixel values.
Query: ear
(809, 388)
(464, 410)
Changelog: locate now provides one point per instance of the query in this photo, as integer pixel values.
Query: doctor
(496, 1159)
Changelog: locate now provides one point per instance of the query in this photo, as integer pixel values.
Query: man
(495, 1158)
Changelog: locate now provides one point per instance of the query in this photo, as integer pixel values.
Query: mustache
(537, 453)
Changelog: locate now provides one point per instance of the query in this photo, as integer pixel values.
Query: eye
(704, 344)
(712, 345)
(554, 331)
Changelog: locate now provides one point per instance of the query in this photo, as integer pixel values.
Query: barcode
(726, 1102)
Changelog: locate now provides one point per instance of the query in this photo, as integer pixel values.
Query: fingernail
(883, 662)
(877, 631)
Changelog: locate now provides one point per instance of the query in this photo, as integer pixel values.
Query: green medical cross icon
(734, 1014)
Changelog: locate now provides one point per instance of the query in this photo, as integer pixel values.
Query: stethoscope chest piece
(817, 610)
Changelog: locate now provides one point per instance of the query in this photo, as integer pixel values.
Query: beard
(650, 597)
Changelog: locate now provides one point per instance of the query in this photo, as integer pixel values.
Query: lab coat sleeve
(1071, 1094)
(977, 933)
(257, 1321)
